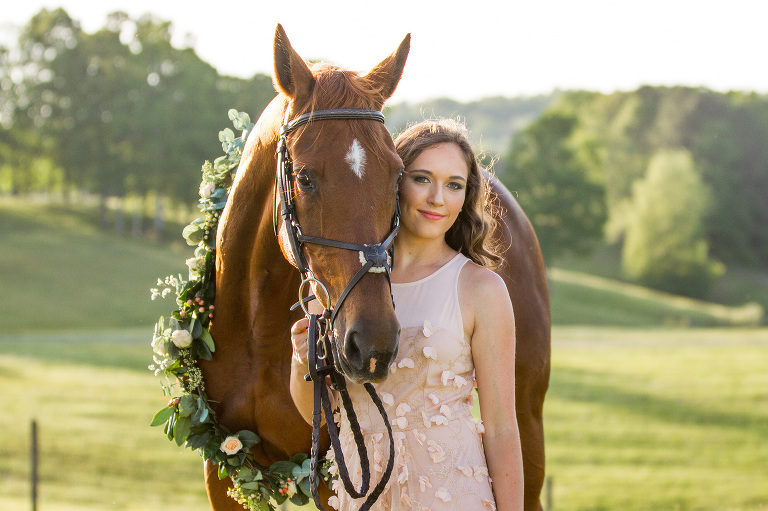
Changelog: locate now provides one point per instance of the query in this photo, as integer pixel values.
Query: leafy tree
(554, 185)
(664, 245)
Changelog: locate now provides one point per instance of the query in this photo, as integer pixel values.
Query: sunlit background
(633, 134)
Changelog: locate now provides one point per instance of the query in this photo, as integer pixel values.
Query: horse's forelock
(336, 87)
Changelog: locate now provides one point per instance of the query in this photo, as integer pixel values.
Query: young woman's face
(433, 190)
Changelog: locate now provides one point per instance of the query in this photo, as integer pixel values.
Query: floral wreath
(178, 344)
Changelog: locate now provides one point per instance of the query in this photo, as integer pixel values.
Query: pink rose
(231, 445)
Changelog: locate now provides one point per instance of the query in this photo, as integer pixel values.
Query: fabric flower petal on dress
(430, 352)
(334, 502)
(447, 376)
(480, 427)
(436, 452)
(402, 409)
(432, 397)
(406, 362)
(387, 398)
(459, 382)
(429, 328)
(466, 470)
(400, 422)
(424, 483)
(420, 437)
(443, 495)
(427, 422)
(336, 484)
(481, 473)
(402, 477)
(446, 410)
(439, 419)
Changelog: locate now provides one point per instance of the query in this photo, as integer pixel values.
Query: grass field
(57, 271)
(635, 420)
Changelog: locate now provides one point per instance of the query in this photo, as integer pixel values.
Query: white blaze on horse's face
(355, 157)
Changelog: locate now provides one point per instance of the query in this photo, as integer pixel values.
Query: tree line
(119, 112)
(675, 176)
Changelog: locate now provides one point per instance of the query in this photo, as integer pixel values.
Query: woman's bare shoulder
(479, 283)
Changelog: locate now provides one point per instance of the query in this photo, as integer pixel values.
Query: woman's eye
(456, 186)
(421, 179)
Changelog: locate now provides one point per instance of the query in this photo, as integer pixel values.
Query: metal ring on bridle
(310, 277)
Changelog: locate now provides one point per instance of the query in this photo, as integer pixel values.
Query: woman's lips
(431, 216)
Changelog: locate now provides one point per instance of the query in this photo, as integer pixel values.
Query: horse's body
(247, 381)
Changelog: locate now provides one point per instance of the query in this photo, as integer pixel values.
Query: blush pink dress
(439, 459)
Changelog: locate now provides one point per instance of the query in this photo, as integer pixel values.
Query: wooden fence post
(33, 462)
(548, 494)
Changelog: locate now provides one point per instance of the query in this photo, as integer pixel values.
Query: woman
(457, 326)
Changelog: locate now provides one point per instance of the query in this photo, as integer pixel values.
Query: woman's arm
(493, 353)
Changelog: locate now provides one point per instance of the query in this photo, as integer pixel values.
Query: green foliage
(555, 186)
(725, 135)
(140, 121)
(664, 245)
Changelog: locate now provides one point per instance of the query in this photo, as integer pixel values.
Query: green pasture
(635, 420)
(58, 271)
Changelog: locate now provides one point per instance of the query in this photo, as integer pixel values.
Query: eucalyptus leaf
(208, 340)
(181, 430)
(187, 405)
(282, 466)
(252, 485)
(226, 136)
(299, 499)
(249, 439)
(196, 329)
(162, 416)
(303, 485)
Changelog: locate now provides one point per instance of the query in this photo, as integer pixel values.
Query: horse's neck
(255, 284)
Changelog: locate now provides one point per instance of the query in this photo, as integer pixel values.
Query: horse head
(343, 180)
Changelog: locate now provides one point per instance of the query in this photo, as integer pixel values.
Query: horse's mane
(336, 87)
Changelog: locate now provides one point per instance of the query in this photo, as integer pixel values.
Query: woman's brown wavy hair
(471, 233)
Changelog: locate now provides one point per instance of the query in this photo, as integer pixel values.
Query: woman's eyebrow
(425, 171)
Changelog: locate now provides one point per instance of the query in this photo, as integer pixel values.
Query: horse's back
(524, 273)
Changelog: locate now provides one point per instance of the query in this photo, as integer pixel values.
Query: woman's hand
(299, 341)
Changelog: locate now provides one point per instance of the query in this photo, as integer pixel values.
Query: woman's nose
(436, 197)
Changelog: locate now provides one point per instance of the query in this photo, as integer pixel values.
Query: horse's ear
(388, 72)
(292, 76)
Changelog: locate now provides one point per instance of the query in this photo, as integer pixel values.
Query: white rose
(158, 346)
(181, 338)
(206, 190)
(231, 445)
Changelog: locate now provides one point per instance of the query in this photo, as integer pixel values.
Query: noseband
(376, 258)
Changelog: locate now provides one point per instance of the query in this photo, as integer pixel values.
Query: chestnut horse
(256, 283)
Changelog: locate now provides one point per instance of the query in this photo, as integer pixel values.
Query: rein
(376, 258)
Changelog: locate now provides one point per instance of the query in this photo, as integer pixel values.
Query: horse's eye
(304, 181)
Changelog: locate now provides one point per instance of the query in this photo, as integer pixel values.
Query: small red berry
(210, 315)
(189, 302)
(211, 307)
(182, 313)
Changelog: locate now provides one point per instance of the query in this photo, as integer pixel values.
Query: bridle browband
(377, 258)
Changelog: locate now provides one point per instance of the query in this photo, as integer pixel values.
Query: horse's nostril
(352, 351)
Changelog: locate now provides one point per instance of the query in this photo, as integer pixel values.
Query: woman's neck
(416, 258)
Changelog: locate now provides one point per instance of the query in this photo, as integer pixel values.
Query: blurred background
(634, 136)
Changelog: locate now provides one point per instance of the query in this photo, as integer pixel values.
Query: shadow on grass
(122, 349)
(592, 387)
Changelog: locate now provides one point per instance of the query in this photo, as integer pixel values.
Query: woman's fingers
(299, 336)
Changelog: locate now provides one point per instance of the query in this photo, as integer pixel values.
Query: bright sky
(468, 49)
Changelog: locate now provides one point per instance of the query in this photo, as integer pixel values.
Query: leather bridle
(377, 258)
